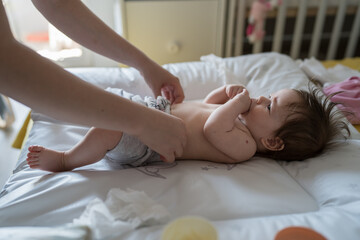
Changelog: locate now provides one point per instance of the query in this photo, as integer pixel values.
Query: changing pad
(251, 200)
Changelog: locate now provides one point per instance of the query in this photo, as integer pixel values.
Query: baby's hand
(233, 89)
(244, 100)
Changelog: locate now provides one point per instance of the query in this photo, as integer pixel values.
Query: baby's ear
(273, 144)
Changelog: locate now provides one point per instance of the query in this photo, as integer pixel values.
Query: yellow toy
(189, 228)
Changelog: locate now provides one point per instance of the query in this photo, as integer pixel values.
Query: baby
(227, 127)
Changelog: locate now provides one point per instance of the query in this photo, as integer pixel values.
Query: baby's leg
(90, 149)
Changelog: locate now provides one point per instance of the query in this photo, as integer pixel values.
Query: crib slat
(350, 50)
(335, 35)
(240, 27)
(279, 27)
(316, 36)
(258, 45)
(230, 28)
(299, 27)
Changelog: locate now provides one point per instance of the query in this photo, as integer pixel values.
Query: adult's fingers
(165, 134)
(172, 153)
(173, 92)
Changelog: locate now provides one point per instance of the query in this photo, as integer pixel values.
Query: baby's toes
(35, 148)
(33, 164)
(33, 154)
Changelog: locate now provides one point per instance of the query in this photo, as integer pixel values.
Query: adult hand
(163, 133)
(163, 82)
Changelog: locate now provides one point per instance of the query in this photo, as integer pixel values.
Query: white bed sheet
(252, 200)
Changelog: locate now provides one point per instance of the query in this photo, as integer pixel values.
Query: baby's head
(310, 125)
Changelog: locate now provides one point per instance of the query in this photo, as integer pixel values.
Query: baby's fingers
(244, 94)
(232, 92)
(241, 89)
(244, 91)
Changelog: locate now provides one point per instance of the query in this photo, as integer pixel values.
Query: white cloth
(121, 212)
(66, 232)
(315, 70)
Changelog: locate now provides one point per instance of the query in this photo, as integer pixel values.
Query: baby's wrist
(238, 106)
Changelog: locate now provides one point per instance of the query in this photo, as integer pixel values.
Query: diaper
(160, 103)
(130, 150)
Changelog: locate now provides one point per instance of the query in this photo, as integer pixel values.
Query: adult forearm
(24, 76)
(47, 88)
(74, 19)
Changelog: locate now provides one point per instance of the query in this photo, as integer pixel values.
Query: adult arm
(74, 19)
(47, 88)
(227, 133)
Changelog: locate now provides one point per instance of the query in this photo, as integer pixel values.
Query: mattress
(251, 200)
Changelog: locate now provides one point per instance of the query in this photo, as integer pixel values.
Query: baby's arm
(222, 94)
(227, 133)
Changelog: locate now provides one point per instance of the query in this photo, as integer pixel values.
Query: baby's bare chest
(194, 114)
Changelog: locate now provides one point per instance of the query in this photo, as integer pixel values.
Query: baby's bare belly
(194, 115)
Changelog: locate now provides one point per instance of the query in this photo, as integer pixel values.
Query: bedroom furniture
(177, 31)
(325, 29)
(174, 30)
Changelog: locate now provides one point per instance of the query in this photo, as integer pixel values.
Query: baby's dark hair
(310, 128)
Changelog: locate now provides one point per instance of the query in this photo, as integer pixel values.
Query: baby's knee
(109, 138)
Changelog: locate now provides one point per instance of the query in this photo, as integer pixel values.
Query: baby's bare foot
(46, 159)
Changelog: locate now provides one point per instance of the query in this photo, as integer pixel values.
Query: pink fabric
(349, 97)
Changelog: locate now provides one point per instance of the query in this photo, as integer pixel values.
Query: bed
(252, 200)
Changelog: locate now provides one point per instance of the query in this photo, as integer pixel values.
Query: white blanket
(251, 200)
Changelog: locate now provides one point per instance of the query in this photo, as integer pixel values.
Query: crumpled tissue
(121, 212)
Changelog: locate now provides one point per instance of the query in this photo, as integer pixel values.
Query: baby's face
(266, 115)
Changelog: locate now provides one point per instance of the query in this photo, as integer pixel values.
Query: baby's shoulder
(245, 137)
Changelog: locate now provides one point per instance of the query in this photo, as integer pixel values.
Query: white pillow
(261, 73)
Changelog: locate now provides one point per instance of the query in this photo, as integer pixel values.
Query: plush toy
(255, 29)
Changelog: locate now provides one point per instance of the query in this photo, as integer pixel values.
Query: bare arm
(224, 130)
(222, 94)
(74, 19)
(47, 88)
